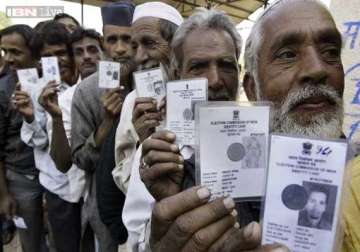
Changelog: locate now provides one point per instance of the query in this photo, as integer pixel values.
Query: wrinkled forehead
(304, 18)
(145, 26)
(214, 43)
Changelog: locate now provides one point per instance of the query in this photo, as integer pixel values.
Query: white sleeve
(75, 175)
(65, 100)
(137, 210)
(126, 140)
(34, 134)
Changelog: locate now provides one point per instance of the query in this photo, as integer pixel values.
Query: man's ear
(249, 87)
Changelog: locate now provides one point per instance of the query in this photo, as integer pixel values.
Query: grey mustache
(296, 97)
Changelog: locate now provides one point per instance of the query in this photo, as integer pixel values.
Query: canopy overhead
(238, 10)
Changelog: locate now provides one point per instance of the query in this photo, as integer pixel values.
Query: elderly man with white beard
(304, 79)
(299, 70)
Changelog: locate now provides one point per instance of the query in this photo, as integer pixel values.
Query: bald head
(282, 9)
(293, 59)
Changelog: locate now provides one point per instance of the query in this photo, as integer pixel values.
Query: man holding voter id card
(153, 27)
(43, 129)
(21, 192)
(95, 111)
(214, 58)
(298, 69)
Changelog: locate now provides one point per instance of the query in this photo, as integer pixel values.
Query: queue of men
(95, 158)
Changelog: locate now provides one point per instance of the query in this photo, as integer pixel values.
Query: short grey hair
(256, 39)
(202, 19)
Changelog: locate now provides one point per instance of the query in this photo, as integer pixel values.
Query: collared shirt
(38, 134)
(75, 175)
(14, 153)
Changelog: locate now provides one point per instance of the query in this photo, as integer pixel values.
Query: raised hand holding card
(29, 79)
(109, 74)
(181, 97)
(50, 69)
(150, 83)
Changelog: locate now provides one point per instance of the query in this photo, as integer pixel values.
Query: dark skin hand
(60, 150)
(164, 172)
(187, 221)
(23, 104)
(112, 103)
(146, 117)
(49, 99)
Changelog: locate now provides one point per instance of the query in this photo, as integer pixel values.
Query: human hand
(188, 222)
(162, 166)
(112, 101)
(23, 104)
(145, 117)
(48, 99)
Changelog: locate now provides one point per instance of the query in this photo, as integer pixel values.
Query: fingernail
(237, 225)
(234, 213)
(181, 167)
(181, 159)
(203, 193)
(154, 101)
(122, 87)
(174, 148)
(229, 203)
(248, 230)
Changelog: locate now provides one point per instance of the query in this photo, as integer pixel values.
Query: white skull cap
(157, 10)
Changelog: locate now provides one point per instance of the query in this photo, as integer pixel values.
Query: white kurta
(125, 144)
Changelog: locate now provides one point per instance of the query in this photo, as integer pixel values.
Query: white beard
(324, 125)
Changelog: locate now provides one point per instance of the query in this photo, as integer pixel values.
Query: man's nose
(87, 55)
(120, 48)
(313, 69)
(213, 76)
(141, 56)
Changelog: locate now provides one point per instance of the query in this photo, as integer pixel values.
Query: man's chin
(86, 74)
(323, 125)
